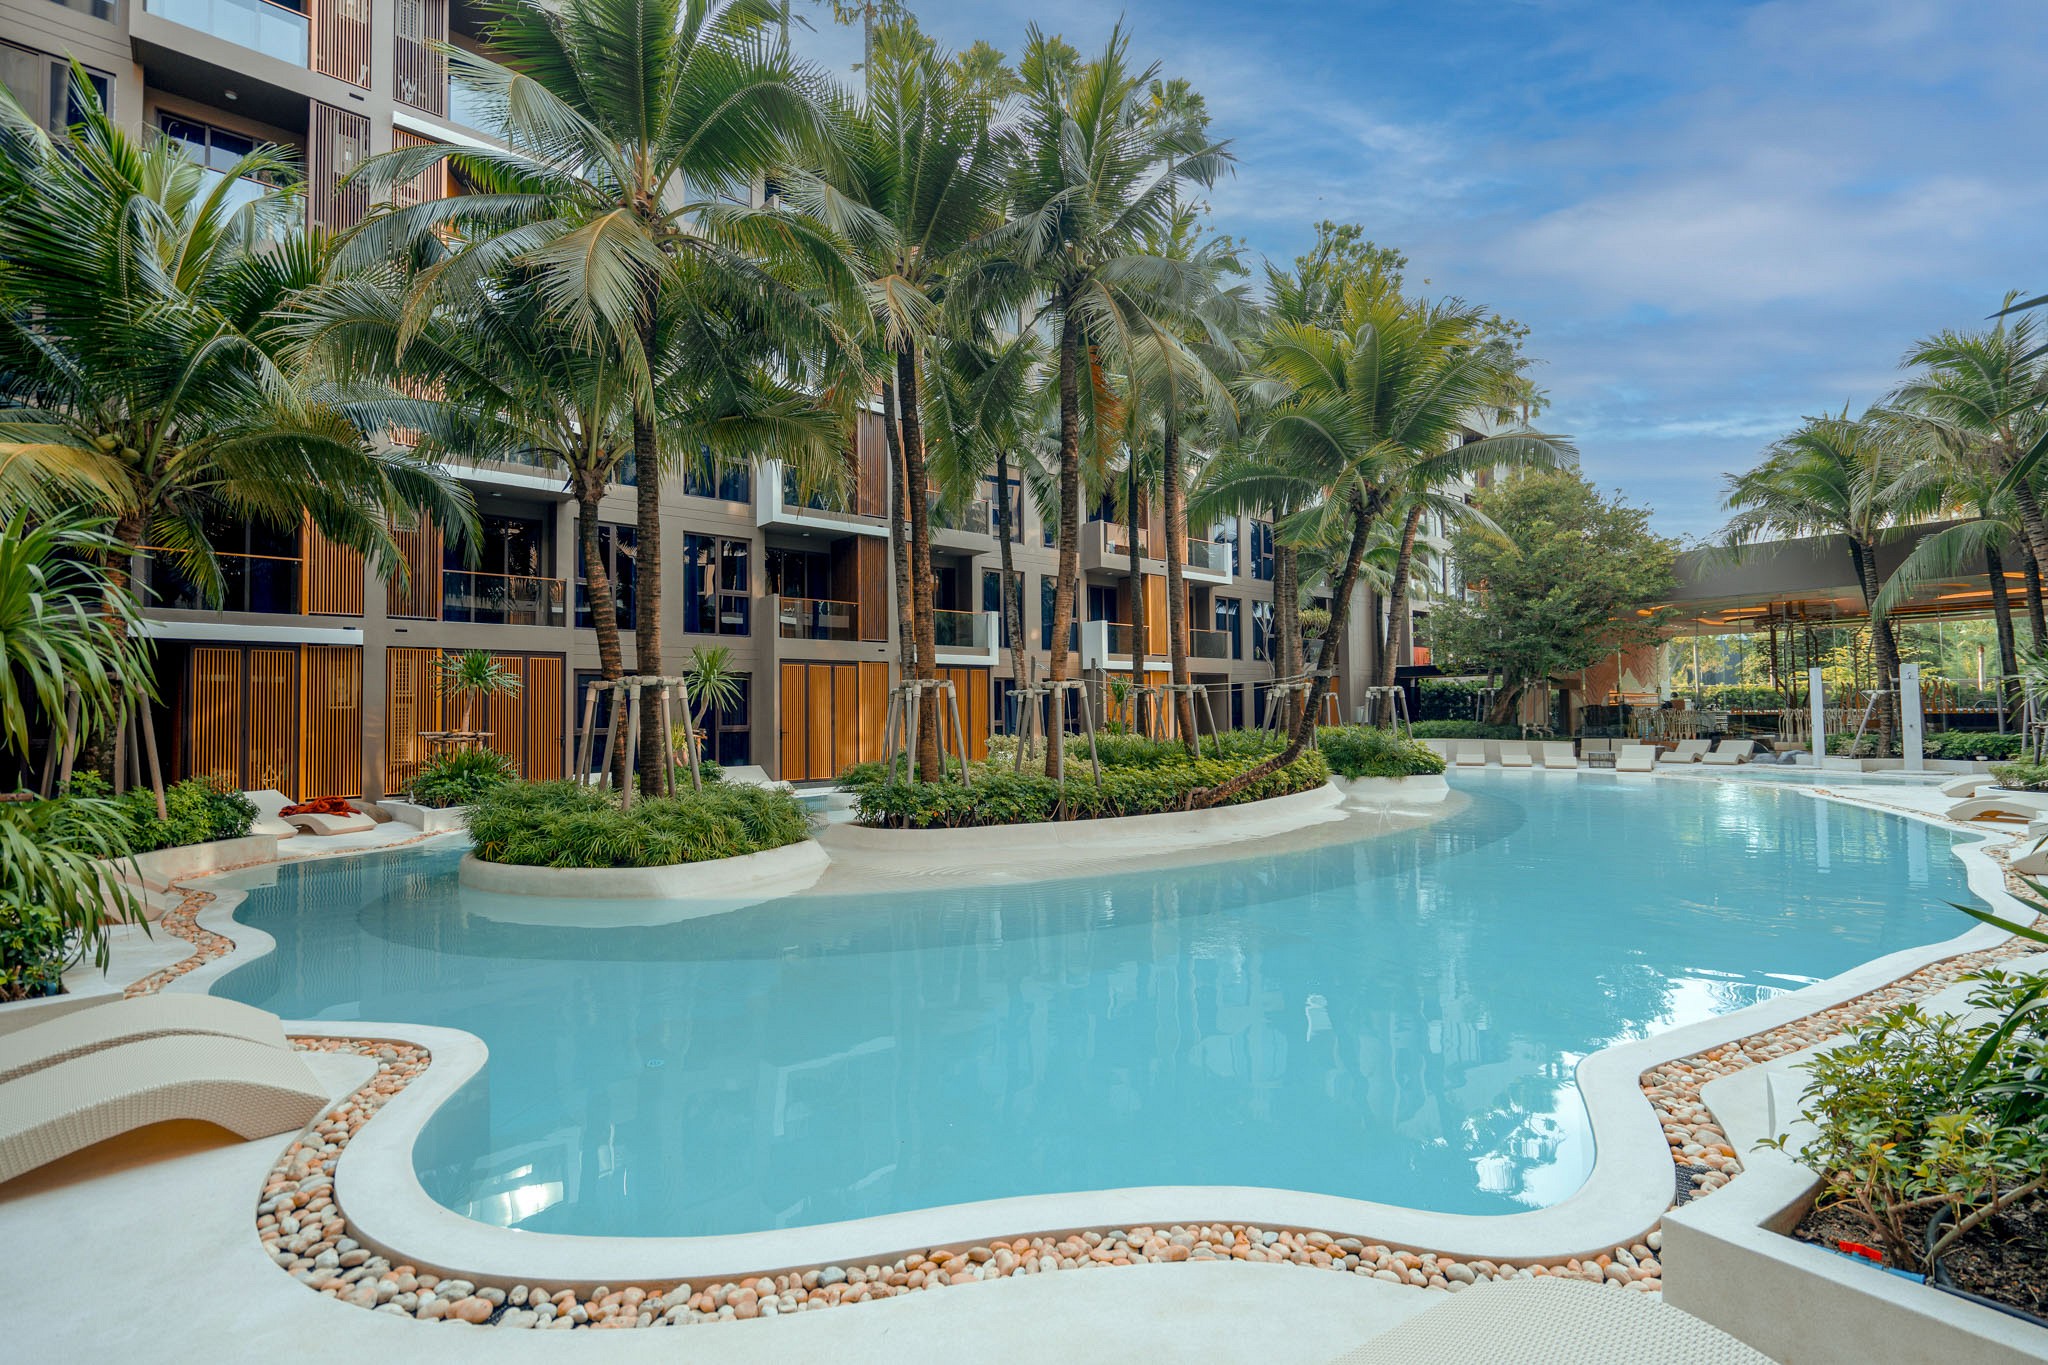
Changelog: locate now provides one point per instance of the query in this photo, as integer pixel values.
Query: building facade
(315, 677)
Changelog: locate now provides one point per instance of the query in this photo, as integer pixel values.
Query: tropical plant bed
(570, 825)
(2003, 1262)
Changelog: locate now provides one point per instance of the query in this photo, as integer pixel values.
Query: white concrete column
(1816, 699)
(1909, 718)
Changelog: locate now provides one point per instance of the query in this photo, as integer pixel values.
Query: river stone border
(304, 1230)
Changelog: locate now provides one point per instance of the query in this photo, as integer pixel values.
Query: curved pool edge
(1629, 1189)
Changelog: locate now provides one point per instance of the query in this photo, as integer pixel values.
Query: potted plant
(475, 675)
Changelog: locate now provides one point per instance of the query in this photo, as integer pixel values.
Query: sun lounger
(754, 775)
(127, 1021)
(1635, 758)
(1515, 754)
(1557, 753)
(1549, 1319)
(1688, 751)
(1998, 805)
(1469, 753)
(251, 1089)
(268, 821)
(1963, 788)
(1730, 752)
(311, 822)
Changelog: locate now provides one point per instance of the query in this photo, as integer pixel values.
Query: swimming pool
(1394, 1018)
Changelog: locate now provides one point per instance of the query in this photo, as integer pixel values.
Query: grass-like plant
(1366, 751)
(460, 776)
(1464, 729)
(2021, 777)
(473, 676)
(568, 824)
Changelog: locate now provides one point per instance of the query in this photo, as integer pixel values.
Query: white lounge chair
(1635, 758)
(1730, 752)
(1688, 751)
(252, 1089)
(1469, 753)
(1557, 753)
(268, 803)
(1516, 754)
(1521, 1322)
(127, 1021)
(1963, 788)
(754, 775)
(2001, 805)
(311, 822)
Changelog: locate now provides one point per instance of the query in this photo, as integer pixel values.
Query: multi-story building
(315, 677)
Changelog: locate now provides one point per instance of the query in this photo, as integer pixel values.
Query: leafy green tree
(1568, 577)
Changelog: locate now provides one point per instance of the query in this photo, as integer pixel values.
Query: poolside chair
(1469, 753)
(127, 1021)
(251, 1089)
(754, 775)
(1688, 751)
(1730, 752)
(1595, 746)
(312, 822)
(1963, 788)
(1516, 754)
(1557, 753)
(2000, 805)
(1523, 1322)
(1635, 758)
(268, 803)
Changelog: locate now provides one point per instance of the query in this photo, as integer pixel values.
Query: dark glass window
(1046, 590)
(1262, 550)
(1008, 512)
(615, 550)
(1263, 644)
(716, 586)
(1227, 621)
(1101, 602)
(259, 571)
(992, 599)
(726, 480)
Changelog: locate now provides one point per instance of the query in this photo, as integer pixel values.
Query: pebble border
(304, 1231)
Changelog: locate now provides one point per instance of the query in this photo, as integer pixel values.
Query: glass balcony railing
(960, 629)
(837, 502)
(249, 583)
(975, 518)
(1209, 644)
(817, 618)
(498, 599)
(1122, 635)
(1209, 556)
(469, 108)
(257, 25)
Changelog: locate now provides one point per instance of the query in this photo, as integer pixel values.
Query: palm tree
(1952, 479)
(1093, 178)
(1359, 408)
(476, 675)
(625, 121)
(140, 353)
(1834, 476)
(917, 182)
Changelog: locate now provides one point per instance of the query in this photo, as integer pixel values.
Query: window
(1262, 551)
(1227, 622)
(799, 573)
(259, 571)
(615, 550)
(1002, 715)
(729, 730)
(41, 84)
(992, 598)
(1046, 590)
(1008, 512)
(1101, 602)
(92, 9)
(1263, 644)
(1236, 708)
(716, 585)
(725, 480)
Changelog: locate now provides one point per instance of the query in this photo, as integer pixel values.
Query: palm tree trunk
(2033, 529)
(1365, 512)
(1884, 645)
(604, 604)
(2001, 613)
(1176, 589)
(1285, 647)
(1069, 571)
(1012, 597)
(1397, 598)
(899, 533)
(647, 585)
(917, 483)
(1134, 505)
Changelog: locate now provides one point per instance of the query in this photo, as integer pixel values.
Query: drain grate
(1687, 1183)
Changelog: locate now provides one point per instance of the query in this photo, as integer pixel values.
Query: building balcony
(258, 25)
(781, 503)
(500, 599)
(1209, 645)
(1106, 548)
(816, 618)
(966, 637)
(267, 585)
(1209, 561)
(1106, 646)
(973, 522)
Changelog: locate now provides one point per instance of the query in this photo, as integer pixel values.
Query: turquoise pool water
(1396, 1018)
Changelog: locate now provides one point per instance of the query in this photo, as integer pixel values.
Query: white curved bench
(128, 1021)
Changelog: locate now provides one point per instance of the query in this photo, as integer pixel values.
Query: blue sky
(1715, 216)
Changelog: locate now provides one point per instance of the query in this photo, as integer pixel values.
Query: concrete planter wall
(756, 876)
(1378, 793)
(159, 869)
(1133, 834)
(426, 819)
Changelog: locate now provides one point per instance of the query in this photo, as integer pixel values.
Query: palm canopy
(1833, 476)
(139, 355)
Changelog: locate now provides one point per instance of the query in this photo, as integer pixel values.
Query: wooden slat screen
(412, 703)
(419, 598)
(273, 713)
(874, 710)
(544, 757)
(970, 689)
(341, 40)
(422, 188)
(213, 733)
(422, 72)
(795, 702)
(338, 141)
(330, 579)
(331, 722)
(832, 716)
(503, 716)
(818, 720)
(869, 461)
(845, 720)
(871, 587)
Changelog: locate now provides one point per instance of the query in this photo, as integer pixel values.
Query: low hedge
(2021, 777)
(1971, 744)
(1139, 777)
(1366, 751)
(199, 812)
(1465, 729)
(568, 824)
(459, 777)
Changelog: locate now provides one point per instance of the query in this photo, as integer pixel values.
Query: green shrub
(569, 824)
(33, 952)
(1870, 746)
(1365, 751)
(1464, 729)
(196, 812)
(1139, 777)
(1969, 744)
(2021, 777)
(1915, 1113)
(1742, 698)
(1441, 699)
(459, 777)
(58, 888)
